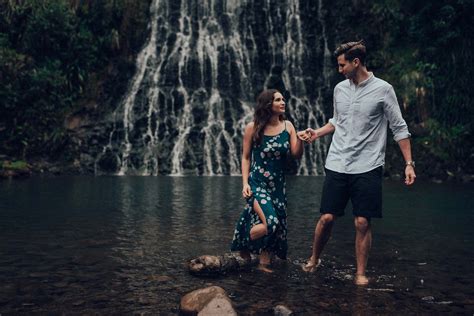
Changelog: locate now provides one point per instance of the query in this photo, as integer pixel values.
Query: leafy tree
(50, 52)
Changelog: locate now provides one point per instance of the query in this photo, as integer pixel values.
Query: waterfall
(197, 78)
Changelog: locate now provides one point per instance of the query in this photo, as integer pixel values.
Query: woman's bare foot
(361, 280)
(264, 268)
(311, 265)
(265, 259)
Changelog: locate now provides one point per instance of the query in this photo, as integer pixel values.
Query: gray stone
(212, 300)
(220, 305)
(282, 310)
(208, 265)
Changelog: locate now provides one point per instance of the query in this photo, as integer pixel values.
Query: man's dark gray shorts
(364, 190)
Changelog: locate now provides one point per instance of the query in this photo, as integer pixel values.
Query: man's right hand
(409, 175)
(308, 135)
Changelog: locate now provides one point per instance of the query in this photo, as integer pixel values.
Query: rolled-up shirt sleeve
(392, 112)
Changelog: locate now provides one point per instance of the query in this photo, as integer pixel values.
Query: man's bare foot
(311, 265)
(264, 268)
(361, 280)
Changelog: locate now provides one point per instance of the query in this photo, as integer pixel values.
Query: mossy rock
(14, 169)
(15, 165)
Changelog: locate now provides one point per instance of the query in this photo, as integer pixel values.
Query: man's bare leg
(363, 242)
(322, 233)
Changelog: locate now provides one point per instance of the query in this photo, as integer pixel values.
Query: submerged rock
(208, 265)
(212, 300)
(159, 278)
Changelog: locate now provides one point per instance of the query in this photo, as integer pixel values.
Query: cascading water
(197, 78)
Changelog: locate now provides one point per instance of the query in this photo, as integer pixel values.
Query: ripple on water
(86, 254)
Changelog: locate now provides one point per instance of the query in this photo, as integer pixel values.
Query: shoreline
(16, 169)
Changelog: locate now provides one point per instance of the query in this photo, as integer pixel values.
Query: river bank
(20, 169)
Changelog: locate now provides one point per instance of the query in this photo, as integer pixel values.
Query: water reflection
(102, 245)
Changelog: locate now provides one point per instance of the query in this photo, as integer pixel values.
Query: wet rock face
(210, 266)
(196, 82)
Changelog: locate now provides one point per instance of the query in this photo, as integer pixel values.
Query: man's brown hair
(352, 50)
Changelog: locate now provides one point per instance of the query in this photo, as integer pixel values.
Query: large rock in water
(207, 301)
(208, 265)
(282, 310)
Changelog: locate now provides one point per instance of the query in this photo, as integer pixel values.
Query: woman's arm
(246, 157)
(296, 145)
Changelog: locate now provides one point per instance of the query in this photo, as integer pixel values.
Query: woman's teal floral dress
(267, 181)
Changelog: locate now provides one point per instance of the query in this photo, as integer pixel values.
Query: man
(363, 107)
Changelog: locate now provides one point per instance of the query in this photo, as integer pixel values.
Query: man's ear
(356, 62)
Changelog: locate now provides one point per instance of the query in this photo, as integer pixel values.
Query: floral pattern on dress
(267, 182)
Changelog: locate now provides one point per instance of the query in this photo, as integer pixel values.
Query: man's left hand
(409, 175)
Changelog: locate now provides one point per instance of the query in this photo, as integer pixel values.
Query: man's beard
(351, 75)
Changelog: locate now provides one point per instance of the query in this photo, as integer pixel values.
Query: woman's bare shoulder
(289, 126)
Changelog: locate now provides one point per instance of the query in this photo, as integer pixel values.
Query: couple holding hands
(363, 107)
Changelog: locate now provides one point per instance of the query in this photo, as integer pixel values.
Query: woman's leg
(265, 259)
(261, 230)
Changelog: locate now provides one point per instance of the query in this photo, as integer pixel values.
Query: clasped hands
(308, 135)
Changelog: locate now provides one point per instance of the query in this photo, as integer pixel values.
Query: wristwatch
(410, 163)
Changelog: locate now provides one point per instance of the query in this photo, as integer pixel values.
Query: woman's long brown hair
(263, 113)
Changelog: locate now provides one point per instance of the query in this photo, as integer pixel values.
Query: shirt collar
(363, 83)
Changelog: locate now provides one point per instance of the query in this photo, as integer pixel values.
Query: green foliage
(442, 35)
(49, 51)
(14, 165)
(449, 144)
(35, 82)
(427, 55)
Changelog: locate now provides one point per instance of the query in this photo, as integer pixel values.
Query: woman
(268, 141)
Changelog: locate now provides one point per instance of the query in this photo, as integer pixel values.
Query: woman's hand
(246, 191)
(308, 135)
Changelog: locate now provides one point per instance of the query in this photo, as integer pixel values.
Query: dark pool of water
(116, 245)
